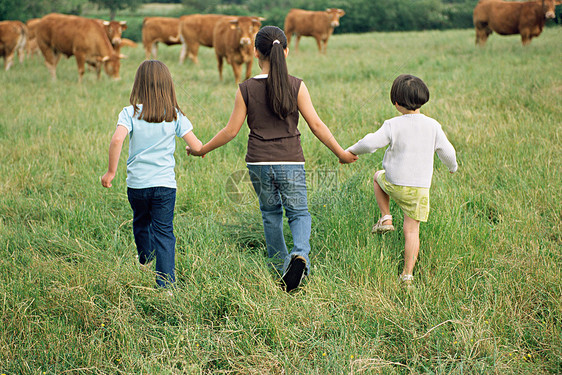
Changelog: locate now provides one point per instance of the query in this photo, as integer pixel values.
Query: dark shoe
(295, 273)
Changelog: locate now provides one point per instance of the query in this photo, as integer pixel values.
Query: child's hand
(191, 151)
(106, 179)
(348, 157)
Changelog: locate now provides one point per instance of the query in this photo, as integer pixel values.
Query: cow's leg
(147, 50)
(289, 35)
(80, 61)
(193, 49)
(8, 61)
(219, 66)
(51, 60)
(154, 49)
(482, 33)
(324, 45)
(97, 67)
(297, 42)
(237, 69)
(319, 44)
(248, 69)
(21, 54)
(479, 41)
(526, 36)
(183, 52)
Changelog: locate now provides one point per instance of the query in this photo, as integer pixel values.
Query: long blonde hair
(154, 89)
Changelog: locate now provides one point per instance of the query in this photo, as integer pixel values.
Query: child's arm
(193, 143)
(371, 142)
(446, 151)
(114, 152)
(319, 129)
(231, 129)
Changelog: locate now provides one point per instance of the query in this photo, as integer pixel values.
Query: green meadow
(487, 296)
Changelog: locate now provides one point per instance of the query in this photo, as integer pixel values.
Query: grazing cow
(319, 25)
(233, 39)
(512, 17)
(82, 37)
(196, 30)
(13, 36)
(114, 30)
(31, 47)
(159, 29)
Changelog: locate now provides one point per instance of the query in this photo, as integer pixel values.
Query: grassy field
(487, 296)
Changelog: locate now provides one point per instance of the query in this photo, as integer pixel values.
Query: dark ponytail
(271, 43)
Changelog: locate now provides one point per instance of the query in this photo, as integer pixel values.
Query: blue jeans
(153, 227)
(278, 187)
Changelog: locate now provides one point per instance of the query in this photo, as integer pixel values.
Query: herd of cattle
(98, 43)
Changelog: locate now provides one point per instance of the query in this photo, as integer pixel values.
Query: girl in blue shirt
(152, 121)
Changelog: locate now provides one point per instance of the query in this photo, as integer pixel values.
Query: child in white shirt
(413, 138)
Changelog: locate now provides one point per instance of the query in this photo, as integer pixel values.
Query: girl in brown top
(272, 101)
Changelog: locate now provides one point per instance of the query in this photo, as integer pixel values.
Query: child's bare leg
(412, 244)
(383, 200)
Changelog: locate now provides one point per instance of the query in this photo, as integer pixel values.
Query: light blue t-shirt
(151, 149)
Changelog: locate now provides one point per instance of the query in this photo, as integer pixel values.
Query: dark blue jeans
(153, 227)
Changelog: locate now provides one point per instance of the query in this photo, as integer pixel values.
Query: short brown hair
(409, 91)
(154, 89)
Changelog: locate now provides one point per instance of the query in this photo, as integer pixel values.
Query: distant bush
(134, 27)
(23, 10)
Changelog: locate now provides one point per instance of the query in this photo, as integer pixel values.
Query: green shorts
(414, 201)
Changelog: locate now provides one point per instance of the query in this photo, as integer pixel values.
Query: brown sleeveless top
(271, 139)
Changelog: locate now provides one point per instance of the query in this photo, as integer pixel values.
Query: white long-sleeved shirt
(412, 140)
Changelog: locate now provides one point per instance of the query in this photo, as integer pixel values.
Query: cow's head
(246, 28)
(548, 8)
(112, 64)
(335, 15)
(114, 30)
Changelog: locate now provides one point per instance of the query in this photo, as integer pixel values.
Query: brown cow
(114, 30)
(13, 36)
(513, 17)
(82, 37)
(159, 29)
(319, 25)
(233, 39)
(31, 47)
(196, 30)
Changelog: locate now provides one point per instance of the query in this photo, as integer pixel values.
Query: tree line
(361, 15)
(26, 9)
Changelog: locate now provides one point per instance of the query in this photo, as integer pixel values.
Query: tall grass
(487, 295)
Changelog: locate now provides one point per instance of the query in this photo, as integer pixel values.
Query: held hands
(347, 157)
(191, 151)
